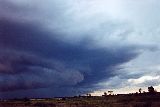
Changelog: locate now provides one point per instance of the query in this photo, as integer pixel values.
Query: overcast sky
(54, 48)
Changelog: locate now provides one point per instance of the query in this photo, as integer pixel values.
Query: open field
(108, 101)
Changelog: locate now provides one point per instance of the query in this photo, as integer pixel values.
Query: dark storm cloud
(30, 59)
(25, 71)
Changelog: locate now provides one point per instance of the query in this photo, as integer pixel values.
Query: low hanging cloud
(21, 70)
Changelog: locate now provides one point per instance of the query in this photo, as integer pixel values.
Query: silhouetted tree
(140, 90)
(151, 89)
(110, 92)
(105, 94)
(88, 95)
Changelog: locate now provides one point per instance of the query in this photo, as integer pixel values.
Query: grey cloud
(21, 70)
(154, 82)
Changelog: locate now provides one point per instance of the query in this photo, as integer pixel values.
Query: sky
(51, 48)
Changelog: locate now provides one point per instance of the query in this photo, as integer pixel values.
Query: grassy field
(108, 101)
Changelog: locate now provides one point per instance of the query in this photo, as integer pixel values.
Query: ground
(134, 100)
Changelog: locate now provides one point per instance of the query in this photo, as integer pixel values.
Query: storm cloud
(64, 48)
(31, 60)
